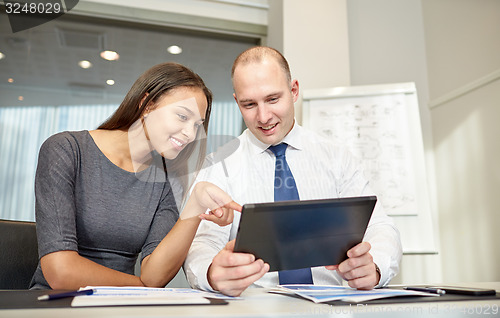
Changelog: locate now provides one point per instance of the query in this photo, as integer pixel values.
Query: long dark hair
(159, 80)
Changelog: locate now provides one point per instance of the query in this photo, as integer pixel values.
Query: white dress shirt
(321, 170)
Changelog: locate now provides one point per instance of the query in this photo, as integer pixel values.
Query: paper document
(319, 294)
(129, 296)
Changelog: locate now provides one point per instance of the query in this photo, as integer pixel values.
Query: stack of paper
(319, 294)
(127, 296)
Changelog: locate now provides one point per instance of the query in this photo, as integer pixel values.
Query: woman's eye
(182, 117)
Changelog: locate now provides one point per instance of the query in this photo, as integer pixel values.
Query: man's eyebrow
(274, 94)
(267, 96)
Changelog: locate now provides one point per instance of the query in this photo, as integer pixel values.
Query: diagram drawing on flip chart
(380, 125)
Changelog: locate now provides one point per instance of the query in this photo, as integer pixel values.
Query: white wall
(314, 39)
(387, 45)
(463, 53)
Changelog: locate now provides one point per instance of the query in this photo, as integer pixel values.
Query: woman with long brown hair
(105, 196)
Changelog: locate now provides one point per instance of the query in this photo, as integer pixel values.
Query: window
(46, 88)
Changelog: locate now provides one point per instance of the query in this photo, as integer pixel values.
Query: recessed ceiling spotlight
(110, 82)
(10, 80)
(174, 49)
(2, 56)
(21, 98)
(85, 64)
(110, 55)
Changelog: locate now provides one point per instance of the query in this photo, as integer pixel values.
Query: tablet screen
(299, 234)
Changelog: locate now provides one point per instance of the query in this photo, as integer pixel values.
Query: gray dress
(87, 204)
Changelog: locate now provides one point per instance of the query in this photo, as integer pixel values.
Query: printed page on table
(129, 296)
(320, 294)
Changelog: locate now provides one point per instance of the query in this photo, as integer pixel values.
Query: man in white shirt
(265, 94)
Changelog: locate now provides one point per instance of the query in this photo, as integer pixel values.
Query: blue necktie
(285, 189)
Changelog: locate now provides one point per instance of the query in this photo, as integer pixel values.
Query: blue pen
(67, 294)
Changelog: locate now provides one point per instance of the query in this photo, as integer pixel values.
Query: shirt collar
(256, 146)
(293, 137)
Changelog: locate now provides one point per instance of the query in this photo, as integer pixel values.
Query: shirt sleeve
(381, 232)
(55, 208)
(210, 238)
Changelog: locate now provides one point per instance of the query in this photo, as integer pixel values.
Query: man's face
(266, 99)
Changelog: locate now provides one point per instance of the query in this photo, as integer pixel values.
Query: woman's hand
(207, 196)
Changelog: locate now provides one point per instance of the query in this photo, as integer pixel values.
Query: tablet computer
(299, 234)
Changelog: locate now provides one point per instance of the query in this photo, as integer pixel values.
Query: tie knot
(279, 150)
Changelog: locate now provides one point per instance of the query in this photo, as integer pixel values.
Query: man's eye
(273, 100)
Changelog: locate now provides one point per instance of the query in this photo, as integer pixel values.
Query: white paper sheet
(320, 294)
(129, 296)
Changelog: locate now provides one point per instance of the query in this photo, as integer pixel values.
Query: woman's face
(175, 119)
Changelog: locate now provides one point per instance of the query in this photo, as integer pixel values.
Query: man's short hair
(258, 54)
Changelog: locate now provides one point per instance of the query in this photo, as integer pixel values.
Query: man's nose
(264, 114)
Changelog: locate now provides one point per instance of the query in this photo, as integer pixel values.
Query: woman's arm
(163, 264)
(69, 270)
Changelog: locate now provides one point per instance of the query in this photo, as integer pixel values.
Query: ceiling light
(10, 80)
(174, 49)
(110, 55)
(20, 98)
(85, 64)
(110, 82)
(2, 55)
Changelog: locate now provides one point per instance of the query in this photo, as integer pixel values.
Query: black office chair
(18, 254)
